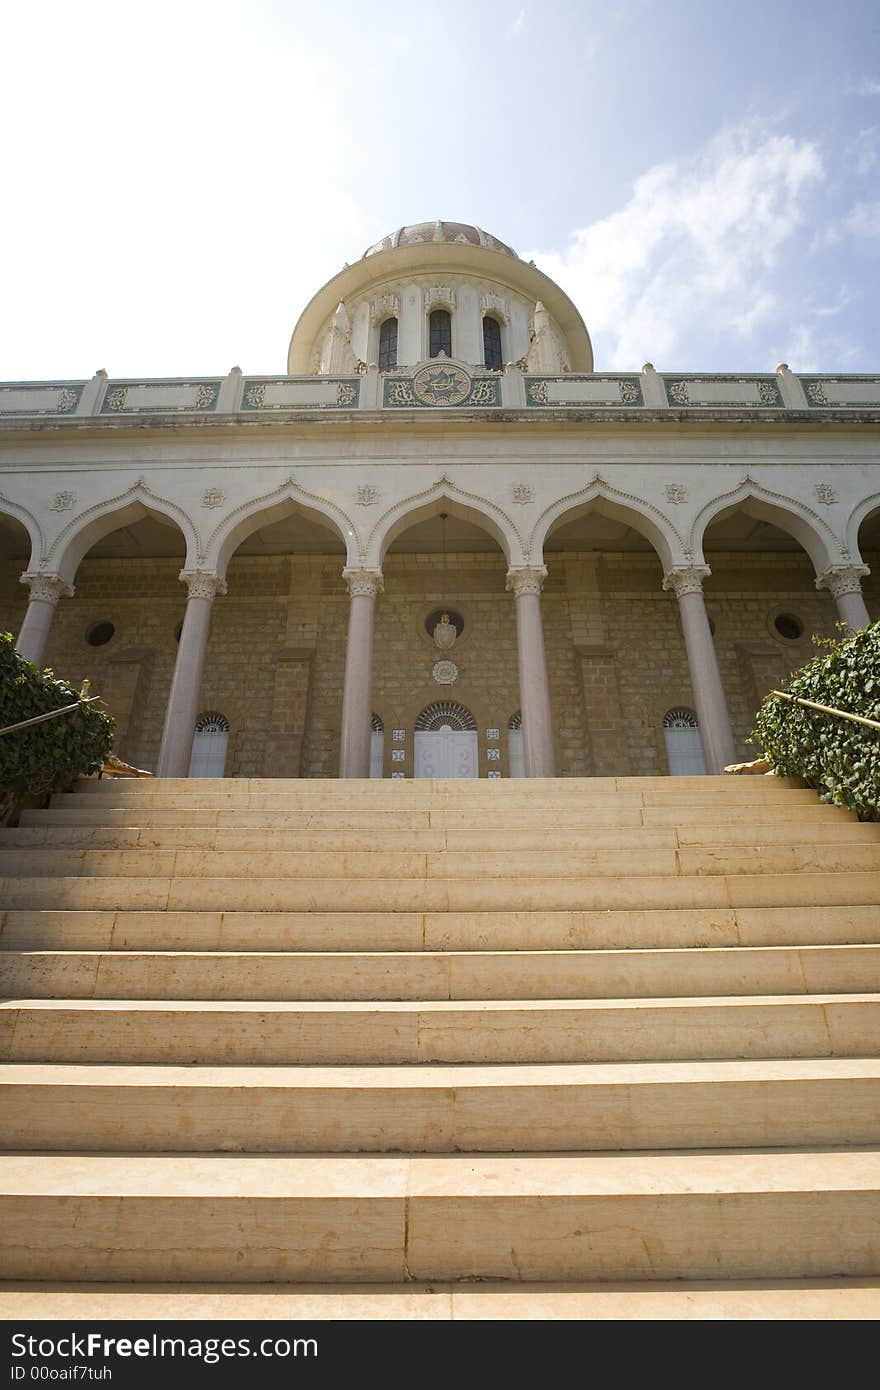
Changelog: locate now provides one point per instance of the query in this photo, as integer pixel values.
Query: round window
(99, 634)
(788, 626)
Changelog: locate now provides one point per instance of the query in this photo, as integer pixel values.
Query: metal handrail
(84, 699)
(826, 709)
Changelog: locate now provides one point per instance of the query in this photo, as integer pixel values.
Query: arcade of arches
(273, 679)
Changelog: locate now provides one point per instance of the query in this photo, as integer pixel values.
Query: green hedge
(48, 756)
(840, 759)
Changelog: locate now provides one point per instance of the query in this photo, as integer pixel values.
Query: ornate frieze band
(40, 397)
(160, 397)
(841, 392)
(441, 384)
(526, 579)
(300, 393)
(364, 583)
(584, 392)
(47, 588)
(686, 580)
(845, 580)
(200, 584)
(720, 392)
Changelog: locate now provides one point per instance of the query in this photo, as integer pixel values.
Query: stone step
(607, 929)
(494, 838)
(436, 1109)
(209, 1032)
(80, 813)
(834, 858)
(475, 894)
(428, 975)
(439, 788)
(837, 856)
(804, 1213)
(216, 796)
(752, 1300)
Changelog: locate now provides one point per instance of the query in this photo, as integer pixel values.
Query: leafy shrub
(48, 756)
(837, 757)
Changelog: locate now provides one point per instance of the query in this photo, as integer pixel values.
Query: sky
(179, 179)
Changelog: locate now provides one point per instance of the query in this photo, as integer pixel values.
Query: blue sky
(179, 178)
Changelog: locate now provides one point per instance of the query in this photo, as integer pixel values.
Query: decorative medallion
(213, 497)
(441, 384)
(445, 672)
(63, 501)
(445, 633)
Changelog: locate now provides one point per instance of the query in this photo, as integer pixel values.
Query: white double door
(446, 753)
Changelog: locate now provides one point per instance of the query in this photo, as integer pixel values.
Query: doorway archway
(446, 741)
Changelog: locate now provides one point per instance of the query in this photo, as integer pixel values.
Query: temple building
(442, 544)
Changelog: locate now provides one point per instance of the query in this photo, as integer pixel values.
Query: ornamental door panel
(446, 752)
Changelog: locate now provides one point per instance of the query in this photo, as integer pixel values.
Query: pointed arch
(598, 495)
(800, 521)
(97, 521)
(860, 513)
(467, 506)
(30, 524)
(275, 506)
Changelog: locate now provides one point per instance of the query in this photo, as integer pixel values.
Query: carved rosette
(687, 580)
(364, 583)
(201, 584)
(845, 580)
(528, 579)
(47, 588)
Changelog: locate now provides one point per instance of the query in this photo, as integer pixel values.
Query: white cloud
(516, 27)
(868, 87)
(866, 150)
(864, 219)
(696, 242)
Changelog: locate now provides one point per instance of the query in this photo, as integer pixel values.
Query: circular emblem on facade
(441, 383)
(445, 672)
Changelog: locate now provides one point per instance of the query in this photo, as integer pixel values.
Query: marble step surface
(768, 1214)
(210, 1032)
(435, 1108)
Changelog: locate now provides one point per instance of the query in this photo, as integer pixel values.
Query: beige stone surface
(752, 1300)
(434, 1108)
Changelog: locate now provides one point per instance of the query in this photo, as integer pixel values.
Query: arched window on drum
(440, 333)
(209, 746)
(377, 746)
(492, 354)
(388, 345)
(684, 747)
(515, 758)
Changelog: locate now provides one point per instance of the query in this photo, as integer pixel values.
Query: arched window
(515, 756)
(445, 741)
(684, 747)
(492, 343)
(388, 345)
(208, 757)
(448, 714)
(377, 746)
(440, 334)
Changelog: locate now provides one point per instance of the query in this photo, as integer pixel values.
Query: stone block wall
(276, 654)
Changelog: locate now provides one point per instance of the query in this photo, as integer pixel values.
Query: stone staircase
(603, 1048)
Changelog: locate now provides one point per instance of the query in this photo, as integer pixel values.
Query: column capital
(201, 584)
(686, 579)
(364, 583)
(843, 579)
(526, 579)
(48, 588)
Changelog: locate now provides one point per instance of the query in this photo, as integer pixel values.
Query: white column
(844, 585)
(183, 700)
(534, 687)
(46, 590)
(715, 730)
(357, 695)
